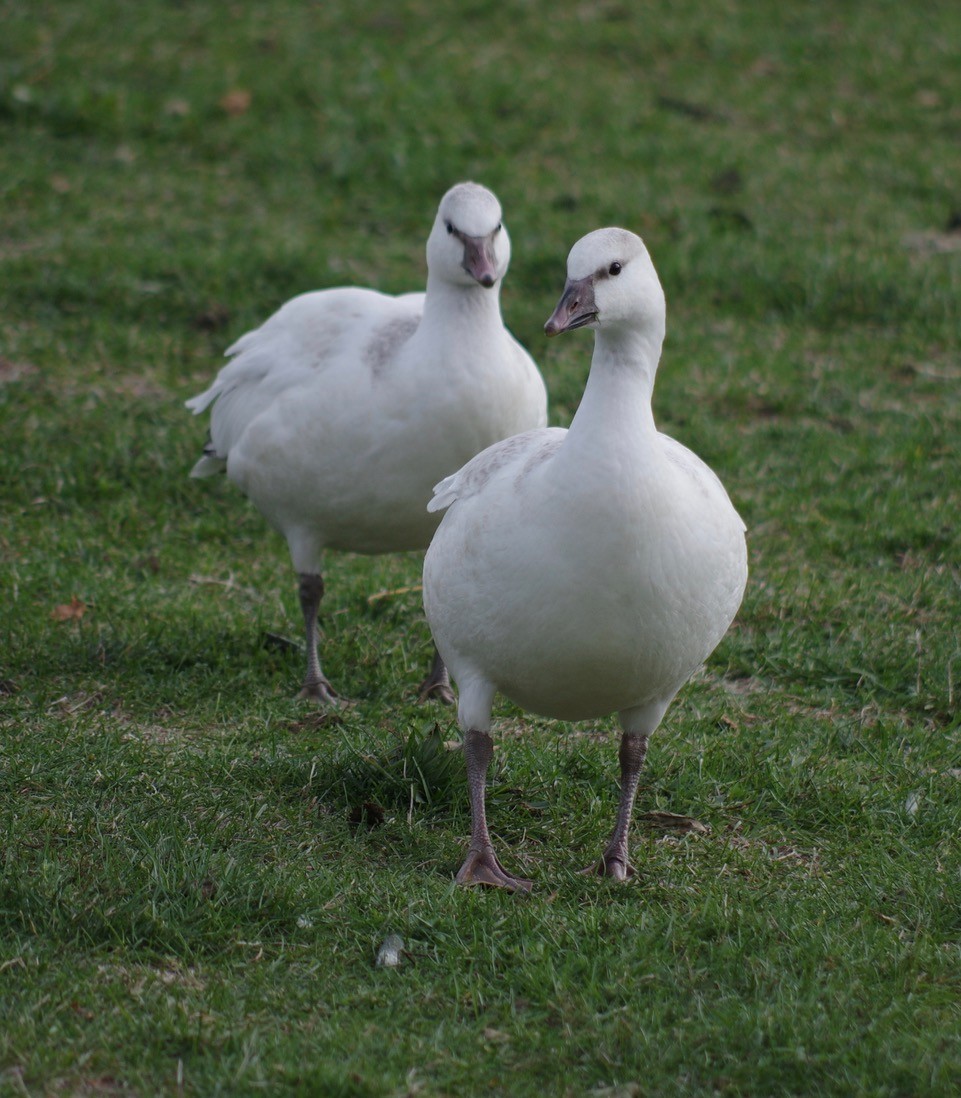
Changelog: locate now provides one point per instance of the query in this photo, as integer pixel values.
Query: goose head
(612, 287)
(468, 244)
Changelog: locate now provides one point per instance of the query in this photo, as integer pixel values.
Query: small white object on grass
(388, 956)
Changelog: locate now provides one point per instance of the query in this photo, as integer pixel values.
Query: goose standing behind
(338, 415)
(586, 571)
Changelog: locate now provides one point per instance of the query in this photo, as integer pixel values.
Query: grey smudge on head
(387, 340)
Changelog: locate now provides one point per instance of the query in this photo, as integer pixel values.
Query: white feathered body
(338, 415)
(587, 571)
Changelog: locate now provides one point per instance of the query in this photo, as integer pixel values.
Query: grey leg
(316, 687)
(481, 865)
(614, 861)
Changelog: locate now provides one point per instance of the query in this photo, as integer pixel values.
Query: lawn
(198, 870)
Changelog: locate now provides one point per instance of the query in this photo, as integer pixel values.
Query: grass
(197, 871)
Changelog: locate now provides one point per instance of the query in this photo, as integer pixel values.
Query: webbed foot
(482, 867)
(437, 683)
(439, 690)
(620, 869)
(322, 693)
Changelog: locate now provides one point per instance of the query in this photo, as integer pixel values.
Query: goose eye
(499, 227)
(614, 269)
(450, 228)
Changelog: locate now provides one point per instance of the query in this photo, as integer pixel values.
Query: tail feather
(202, 401)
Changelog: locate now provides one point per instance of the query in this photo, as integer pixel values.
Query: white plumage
(587, 571)
(340, 412)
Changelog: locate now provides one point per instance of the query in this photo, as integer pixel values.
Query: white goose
(338, 414)
(587, 571)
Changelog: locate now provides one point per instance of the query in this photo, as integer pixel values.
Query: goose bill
(575, 308)
(479, 260)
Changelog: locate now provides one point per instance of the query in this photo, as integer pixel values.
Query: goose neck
(468, 303)
(617, 398)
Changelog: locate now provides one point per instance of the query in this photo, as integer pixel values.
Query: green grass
(197, 871)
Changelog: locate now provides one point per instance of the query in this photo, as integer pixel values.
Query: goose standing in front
(338, 415)
(587, 571)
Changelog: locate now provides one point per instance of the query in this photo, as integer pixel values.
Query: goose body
(340, 412)
(588, 571)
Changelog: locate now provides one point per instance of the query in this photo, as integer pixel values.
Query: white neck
(448, 304)
(617, 400)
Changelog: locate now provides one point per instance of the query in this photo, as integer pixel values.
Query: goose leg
(437, 682)
(316, 687)
(614, 861)
(481, 865)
